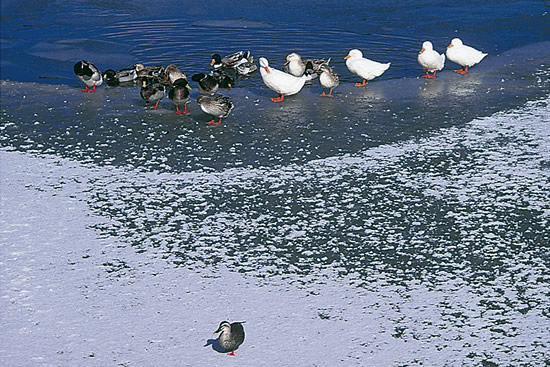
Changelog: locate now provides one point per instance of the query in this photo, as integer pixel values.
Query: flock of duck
(155, 80)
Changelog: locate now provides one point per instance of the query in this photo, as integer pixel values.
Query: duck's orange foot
(361, 84)
(279, 99)
(462, 71)
(184, 111)
(213, 122)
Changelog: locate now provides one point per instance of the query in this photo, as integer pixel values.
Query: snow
(92, 273)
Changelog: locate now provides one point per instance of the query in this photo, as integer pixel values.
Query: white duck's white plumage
(463, 55)
(283, 83)
(430, 60)
(365, 68)
(295, 65)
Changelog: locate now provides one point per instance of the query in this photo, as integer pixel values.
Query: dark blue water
(41, 40)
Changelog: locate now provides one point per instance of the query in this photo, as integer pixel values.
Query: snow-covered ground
(73, 295)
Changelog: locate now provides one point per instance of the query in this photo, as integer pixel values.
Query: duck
(430, 60)
(152, 90)
(328, 79)
(207, 83)
(114, 78)
(88, 74)
(231, 336)
(149, 71)
(230, 61)
(172, 73)
(179, 94)
(279, 81)
(297, 67)
(224, 80)
(217, 106)
(463, 55)
(247, 67)
(365, 68)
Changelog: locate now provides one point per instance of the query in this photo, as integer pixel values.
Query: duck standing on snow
(328, 80)
(281, 82)
(114, 78)
(179, 94)
(463, 55)
(430, 60)
(231, 336)
(88, 74)
(217, 106)
(151, 90)
(365, 68)
(207, 83)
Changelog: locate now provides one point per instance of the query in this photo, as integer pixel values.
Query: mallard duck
(230, 61)
(231, 336)
(179, 94)
(149, 71)
(216, 105)
(224, 80)
(172, 73)
(279, 81)
(152, 90)
(207, 83)
(247, 67)
(88, 74)
(430, 60)
(463, 55)
(365, 68)
(328, 79)
(114, 78)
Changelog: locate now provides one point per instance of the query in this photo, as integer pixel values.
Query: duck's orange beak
(212, 62)
(451, 45)
(286, 62)
(347, 57)
(422, 50)
(267, 69)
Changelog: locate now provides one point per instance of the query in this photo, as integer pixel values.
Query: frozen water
(432, 251)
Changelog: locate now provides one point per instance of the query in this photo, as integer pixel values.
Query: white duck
(430, 60)
(463, 55)
(279, 81)
(365, 68)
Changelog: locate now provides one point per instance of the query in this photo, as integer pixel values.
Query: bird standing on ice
(279, 81)
(231, 336)
(365, 68)
(463, 55)
(430, 60)
(216, 105)
(88, 74)
(328, 80)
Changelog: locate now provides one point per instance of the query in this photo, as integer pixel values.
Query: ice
(120, 266)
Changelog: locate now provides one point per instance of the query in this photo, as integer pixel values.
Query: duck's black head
(110, 77)
(198, 77)
(182, 83)
(223, 324)
(216, 60)
(83, 68)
